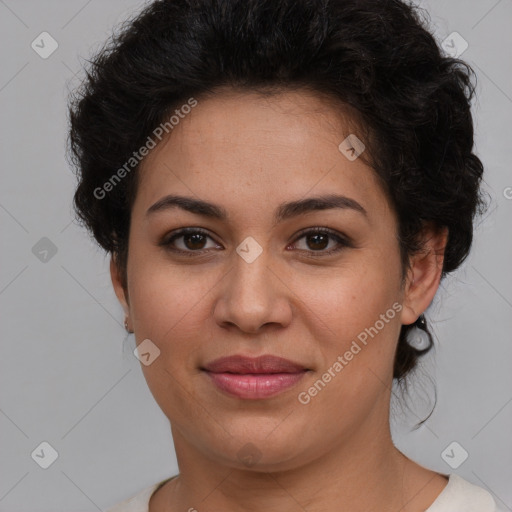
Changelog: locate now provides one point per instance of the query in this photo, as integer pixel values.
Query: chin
(259, 449)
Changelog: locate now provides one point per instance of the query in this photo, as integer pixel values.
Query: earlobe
(118, 285)
(424, 274)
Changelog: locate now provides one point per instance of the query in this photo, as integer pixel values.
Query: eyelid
(342, 240)
(166, 241)
(321, 229)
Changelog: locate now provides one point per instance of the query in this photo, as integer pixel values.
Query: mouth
(254, 378)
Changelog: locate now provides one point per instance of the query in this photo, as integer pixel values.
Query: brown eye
(188, 241)
(194, 241)
(323, 241)
(317, 241)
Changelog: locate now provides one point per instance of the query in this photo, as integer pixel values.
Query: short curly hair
(377, 57)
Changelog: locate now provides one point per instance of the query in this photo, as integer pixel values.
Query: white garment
(458, 496)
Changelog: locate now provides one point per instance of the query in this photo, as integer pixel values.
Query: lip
(254, 378)
(262, 364)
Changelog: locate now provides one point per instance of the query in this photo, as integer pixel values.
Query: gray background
(65, 377)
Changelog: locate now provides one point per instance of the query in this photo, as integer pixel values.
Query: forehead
(257, 149)
(287, 121)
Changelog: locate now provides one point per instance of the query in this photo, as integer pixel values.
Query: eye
(194, 241)
(188, 241)
(317, 240)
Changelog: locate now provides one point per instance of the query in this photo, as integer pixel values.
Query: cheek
(165, 298)
(356, 312)
(349, 299)
(168, 306)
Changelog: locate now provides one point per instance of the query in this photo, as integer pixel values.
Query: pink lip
(261, 364)
(254, 378)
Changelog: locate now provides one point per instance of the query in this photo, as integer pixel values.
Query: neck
(366, 473)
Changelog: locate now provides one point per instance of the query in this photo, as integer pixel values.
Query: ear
(424, 274)
(118, 286)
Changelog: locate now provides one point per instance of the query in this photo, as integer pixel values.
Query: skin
(248, 154)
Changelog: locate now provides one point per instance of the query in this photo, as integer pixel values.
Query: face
(252, 277)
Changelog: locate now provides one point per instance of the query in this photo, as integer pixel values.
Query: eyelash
(342, 241)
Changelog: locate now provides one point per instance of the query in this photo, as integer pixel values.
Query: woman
(281, 186)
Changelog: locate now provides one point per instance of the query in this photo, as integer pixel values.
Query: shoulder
(139, 502)
(459, 494)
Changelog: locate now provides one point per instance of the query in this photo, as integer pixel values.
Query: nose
(252, 296)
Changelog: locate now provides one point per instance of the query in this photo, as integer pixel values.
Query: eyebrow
(283, 212)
